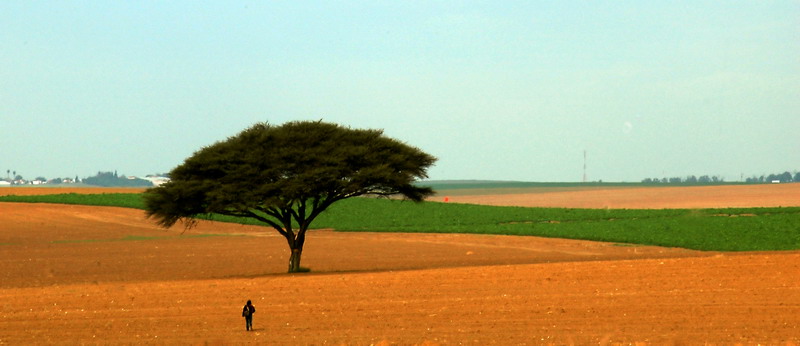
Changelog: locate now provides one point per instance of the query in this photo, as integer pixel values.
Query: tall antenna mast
(584, 165)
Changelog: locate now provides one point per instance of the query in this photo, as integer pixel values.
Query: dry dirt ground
(90, 275)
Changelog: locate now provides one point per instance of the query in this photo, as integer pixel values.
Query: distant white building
(157, 181)
(5, 183)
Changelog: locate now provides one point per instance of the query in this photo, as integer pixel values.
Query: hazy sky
(506, 90)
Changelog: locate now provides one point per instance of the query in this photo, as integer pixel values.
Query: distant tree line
(108, 179)
(784, 177)
(705, 179)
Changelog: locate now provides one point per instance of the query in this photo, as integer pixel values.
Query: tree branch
(277, 227)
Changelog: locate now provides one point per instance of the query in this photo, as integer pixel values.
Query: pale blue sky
(506, 90)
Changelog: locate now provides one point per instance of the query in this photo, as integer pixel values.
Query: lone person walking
(247, 312)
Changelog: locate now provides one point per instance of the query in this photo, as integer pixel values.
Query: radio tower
(584, 165)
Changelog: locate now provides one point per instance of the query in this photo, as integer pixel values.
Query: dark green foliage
(299, 165)
(285, 176)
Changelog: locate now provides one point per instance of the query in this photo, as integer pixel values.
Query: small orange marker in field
(446, 199)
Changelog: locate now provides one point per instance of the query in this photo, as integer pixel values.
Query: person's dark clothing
(247, 312)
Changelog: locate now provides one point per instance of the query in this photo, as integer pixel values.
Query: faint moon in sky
(627, 127)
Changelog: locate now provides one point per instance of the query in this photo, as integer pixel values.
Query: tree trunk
(296, 242)
(294, 260)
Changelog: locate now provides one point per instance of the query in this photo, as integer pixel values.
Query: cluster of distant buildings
(156, 180)
(9, 182)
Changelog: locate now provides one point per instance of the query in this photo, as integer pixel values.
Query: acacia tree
(285, 176)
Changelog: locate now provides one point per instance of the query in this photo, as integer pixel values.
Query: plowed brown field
(728, 196)
(41, 190)
(78, 275)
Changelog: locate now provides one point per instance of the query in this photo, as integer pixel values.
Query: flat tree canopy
(286, 175)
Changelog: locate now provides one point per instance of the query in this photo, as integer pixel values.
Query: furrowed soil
(667, 197)
(99, 275)
(53, 190)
